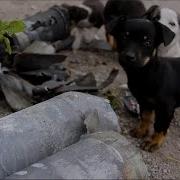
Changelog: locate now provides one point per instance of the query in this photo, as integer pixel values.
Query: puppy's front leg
(142, 129)
(164, 114)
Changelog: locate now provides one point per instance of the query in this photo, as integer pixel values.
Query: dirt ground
(163, 164)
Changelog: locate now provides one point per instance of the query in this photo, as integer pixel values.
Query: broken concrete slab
(41, 130)
(50, 25)
(107, 117)
(17, 92)
(102, 155)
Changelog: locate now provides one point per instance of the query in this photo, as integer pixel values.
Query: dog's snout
(130, 56)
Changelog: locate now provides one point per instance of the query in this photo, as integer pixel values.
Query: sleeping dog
(89, 13)
(86, 18)
(153, 80)
(169, 18)
(121, 8)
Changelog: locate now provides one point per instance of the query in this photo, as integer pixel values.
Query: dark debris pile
(34, 72)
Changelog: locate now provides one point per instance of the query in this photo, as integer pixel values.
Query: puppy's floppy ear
(153, 13)
(112, 26)
(165, 35)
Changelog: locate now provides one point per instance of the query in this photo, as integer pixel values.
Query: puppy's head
(121, 8)
(138, 39)
(128, 8)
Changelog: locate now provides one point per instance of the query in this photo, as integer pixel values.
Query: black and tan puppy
(121, 8)
(154, 81)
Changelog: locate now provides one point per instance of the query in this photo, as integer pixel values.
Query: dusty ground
(20, 8)
(163, 164)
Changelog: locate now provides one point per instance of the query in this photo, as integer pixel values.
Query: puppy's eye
(172, 24)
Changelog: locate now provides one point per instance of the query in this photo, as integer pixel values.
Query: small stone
(165, 171)
(148, 160)
(33, 7)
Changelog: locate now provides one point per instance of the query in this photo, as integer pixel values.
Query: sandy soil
(163, 164)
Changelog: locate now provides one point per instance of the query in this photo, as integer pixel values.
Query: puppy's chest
(143, 86)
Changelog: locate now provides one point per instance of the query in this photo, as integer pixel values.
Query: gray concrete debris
(106, 116)
(41, 130)
(40, 47)
(50, 25)
(17, 91)
(103, 155)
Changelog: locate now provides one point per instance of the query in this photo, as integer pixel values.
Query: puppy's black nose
(130, 56)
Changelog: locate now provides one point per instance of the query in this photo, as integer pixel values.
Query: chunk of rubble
(34, 133)
(18, 92)
(102, 155)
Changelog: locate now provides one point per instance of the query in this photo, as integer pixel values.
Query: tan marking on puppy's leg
(154, 143)
(143, 127)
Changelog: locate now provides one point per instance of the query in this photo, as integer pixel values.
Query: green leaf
(1, 37)
(7, 45)
(15, 27)
(10, 28)
(3, 27)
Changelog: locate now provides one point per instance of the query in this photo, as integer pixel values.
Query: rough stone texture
(87, 104)
(41, 130)
(103, 155)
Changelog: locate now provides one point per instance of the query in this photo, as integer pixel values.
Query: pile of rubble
(35, 71)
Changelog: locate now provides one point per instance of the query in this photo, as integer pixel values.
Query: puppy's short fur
(169, 18)
(153, 80)
(121, 8)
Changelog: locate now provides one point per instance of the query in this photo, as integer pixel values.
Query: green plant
(8, 29)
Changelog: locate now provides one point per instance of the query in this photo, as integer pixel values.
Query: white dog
(170, 19)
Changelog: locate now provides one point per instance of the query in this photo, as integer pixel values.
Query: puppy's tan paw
(155, 142)
(144, 124)
(138, 133)
(150, 146)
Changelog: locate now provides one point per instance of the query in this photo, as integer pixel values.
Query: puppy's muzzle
(131, 57)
